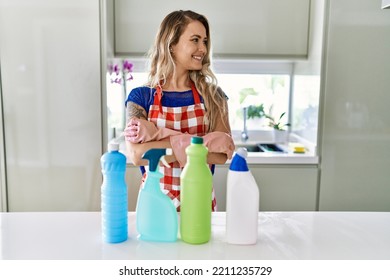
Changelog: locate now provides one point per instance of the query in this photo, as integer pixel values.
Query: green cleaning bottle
(196, 195)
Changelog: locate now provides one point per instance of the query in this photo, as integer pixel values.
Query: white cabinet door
(282, 187)
(50, 79)
(133, 181)
(355, 154)
(253, 28)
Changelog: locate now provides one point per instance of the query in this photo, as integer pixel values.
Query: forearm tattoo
(134, 110)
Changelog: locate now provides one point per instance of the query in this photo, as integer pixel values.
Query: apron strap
(195, 93)
(158, 97)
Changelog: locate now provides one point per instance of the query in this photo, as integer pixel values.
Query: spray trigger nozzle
(155, 155)
(163, 160)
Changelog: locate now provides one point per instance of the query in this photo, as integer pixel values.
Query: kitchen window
(244, 90)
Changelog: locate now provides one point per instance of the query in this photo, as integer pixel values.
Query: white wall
(355, 165)
(50, 66)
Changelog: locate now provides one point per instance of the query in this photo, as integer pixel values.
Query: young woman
(181, 99)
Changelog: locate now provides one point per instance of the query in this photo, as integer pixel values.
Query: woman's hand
(219, 142)
(135, 150)
(142, 131)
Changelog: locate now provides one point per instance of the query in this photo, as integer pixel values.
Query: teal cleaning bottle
(196, 195)
(114, 195)
(155, 213)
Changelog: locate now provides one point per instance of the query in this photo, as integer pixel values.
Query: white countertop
(280, 158)
(310, 156)
(282, 236)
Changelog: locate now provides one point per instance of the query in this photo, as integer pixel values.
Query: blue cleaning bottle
(157, 218)
(114, 204)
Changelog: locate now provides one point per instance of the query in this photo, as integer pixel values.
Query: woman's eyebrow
(198, 36)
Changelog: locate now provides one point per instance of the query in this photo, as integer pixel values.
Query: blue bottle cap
(239, 161)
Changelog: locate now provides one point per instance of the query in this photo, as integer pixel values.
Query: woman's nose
(203, 49)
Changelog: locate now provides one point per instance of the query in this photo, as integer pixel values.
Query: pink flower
(127, 66)
(116, 69)
(115, 72)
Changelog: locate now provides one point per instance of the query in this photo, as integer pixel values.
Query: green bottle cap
(196, 140)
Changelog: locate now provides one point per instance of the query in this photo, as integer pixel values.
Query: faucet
(244, 133)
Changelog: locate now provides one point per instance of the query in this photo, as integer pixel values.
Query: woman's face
(189, 52)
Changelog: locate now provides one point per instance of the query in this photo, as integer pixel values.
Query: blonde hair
(162, 65)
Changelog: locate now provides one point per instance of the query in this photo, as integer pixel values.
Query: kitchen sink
(261, 147)
(272, 148)
(250, 147)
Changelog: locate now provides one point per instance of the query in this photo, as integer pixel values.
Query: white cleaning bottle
(242, 202)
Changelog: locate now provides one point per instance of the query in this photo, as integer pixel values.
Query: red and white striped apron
(190, 119)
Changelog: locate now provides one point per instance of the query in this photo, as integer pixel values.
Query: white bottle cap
(113, 146)
(242, 152)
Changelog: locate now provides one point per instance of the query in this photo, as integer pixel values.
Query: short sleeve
(142, 96)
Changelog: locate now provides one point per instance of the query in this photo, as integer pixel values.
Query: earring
(170, 49)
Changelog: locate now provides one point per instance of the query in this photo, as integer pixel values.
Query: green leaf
(255, 111)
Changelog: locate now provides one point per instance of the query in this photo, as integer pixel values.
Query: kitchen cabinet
(355, 154)
(250, 28)
(282, 187)
(51, 105)
(133, 181)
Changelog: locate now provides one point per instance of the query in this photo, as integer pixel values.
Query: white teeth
(197, 57)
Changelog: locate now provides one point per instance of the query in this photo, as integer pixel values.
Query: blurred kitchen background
(67, 66)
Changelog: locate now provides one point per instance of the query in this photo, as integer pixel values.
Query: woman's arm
(135, 151)
(216, 158)
(222, 126)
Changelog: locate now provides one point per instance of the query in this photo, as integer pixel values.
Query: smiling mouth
(198, 58)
